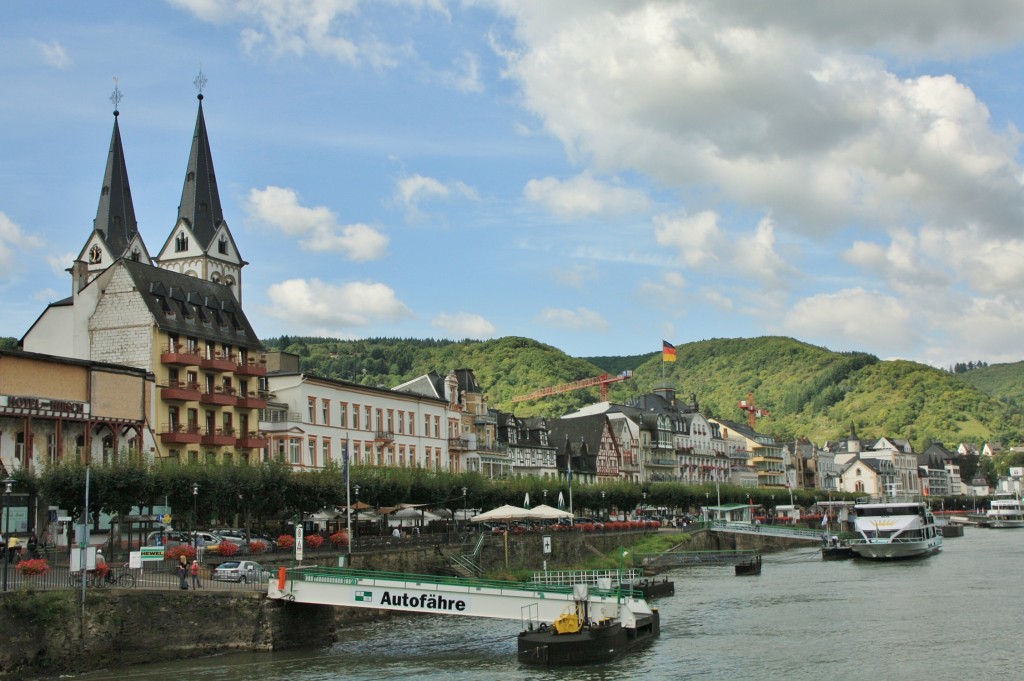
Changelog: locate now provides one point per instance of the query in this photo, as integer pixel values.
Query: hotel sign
(43, 406)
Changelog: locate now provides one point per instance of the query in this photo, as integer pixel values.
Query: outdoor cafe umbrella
(505, 512)
(545, 512)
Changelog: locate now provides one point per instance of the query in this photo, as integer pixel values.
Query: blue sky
(592, 174)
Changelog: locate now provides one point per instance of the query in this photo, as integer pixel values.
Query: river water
(957, 615)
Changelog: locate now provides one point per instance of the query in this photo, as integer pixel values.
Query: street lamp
(8, 484)
(545, 496)
(195, 513)
(602, 506)
(464, 518)
(644, 504)
(355, 488)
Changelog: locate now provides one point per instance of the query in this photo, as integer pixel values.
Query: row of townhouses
(154, 357)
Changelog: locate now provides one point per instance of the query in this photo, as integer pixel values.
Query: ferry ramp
(438, 595)
(784, 531)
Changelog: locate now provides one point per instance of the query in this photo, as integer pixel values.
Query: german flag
(668, 352)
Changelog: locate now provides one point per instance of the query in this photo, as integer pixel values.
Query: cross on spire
(116, 96)
(200, 82)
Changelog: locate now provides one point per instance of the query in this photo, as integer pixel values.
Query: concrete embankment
(44, 633)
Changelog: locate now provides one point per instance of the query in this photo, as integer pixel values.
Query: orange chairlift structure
(604, 380)
(754, 412)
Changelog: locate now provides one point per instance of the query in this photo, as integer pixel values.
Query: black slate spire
(115, 216)
(200, 199)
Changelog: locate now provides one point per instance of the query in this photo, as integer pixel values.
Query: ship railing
(590, 577)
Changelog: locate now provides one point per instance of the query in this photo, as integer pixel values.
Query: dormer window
(95, 255)
(181, 242)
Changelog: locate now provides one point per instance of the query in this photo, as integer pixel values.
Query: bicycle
(122, 577)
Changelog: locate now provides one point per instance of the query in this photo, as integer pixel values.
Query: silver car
(242, 571)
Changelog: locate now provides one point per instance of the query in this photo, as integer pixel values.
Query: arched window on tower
(222, 245)
(181, 242)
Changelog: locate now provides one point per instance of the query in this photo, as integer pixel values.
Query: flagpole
(572, 520)
(348, 508)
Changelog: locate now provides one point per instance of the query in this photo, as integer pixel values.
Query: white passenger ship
(895, 526)
(1005, 511)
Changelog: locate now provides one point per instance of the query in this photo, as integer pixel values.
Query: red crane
(604, 380)
(754, 412)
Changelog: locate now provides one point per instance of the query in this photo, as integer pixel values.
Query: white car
(242, 571)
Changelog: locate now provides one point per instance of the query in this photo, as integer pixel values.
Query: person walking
(195, 575)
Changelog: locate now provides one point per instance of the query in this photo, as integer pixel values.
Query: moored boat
(1005, 511)
(575, 638)
(894, 527)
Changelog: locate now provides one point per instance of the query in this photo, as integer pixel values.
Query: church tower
(115, 232)
(201, 245)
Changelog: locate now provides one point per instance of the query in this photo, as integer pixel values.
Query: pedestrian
(757, 525)
(195, 575)
(33, 546)
(396, 533)
(183, 575)
(13, 548)
(101, 567)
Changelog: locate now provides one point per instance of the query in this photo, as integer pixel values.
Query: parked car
(233, 535)
(167, 538)
(242, 571)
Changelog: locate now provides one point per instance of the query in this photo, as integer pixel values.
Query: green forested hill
(810, 391)
(1005, 382)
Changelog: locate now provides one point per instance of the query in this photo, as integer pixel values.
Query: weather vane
(200, 82)
(116, 96)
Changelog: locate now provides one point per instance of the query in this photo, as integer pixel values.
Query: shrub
(34, 567)
(286, 541)
(257, 546)
(339, 540)
(227, 548)
(175, 552)
(314, 541)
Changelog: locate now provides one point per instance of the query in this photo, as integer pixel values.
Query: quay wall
(46, 634)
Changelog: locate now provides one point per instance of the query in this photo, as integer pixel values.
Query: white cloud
(777, 115)
(583, 196)
(697, 238)
(414, 190)
(580, 319)
(854, 318)
(54, 54)
(279, 208)
(332, 29)
(317, 304)
(464, 325)
(13, 241)
(59, 263)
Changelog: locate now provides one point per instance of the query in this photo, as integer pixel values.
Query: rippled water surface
(957, 615)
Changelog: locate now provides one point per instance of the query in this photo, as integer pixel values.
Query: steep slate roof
(430, 384)
(583, 436)
(115, 215)
(200, 199)
(190, 306)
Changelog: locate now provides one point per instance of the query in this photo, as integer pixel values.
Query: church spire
(115, 216)
(200, 199)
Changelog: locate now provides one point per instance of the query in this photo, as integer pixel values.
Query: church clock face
(95, 255)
